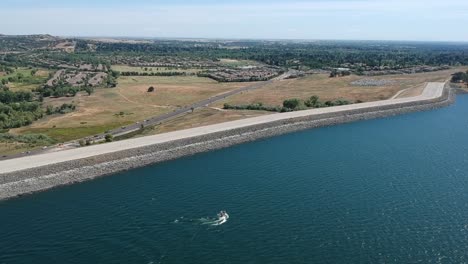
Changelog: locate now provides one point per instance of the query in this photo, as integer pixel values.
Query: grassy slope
(101, 111)
(202, 117)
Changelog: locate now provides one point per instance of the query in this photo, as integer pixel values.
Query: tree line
(290, 105)
(396, 55)
(18, 108)
(21, 108)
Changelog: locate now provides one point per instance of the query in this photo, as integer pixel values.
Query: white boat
(222, 218)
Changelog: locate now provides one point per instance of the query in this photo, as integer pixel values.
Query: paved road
(151, 121)
(432, 90)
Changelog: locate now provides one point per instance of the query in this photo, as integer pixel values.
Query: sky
(418, 20)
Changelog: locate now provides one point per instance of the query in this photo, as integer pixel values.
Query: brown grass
(101, 111)
(12, 148)
(334, 88)
(202, 117)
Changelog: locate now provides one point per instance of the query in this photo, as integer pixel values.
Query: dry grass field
(202, 117)
(129, 102)
(7, 148)
(336, 88)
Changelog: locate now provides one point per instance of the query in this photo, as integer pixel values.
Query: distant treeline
(395, 55)
(317, 54)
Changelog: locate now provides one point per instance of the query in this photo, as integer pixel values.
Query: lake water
(391, 190)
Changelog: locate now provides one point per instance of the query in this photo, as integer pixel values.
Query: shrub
(109, 138)
(312, 102)
(292, 104)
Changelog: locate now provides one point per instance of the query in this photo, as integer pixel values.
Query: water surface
(391, 190)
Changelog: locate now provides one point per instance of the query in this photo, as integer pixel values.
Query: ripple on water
(393, 190)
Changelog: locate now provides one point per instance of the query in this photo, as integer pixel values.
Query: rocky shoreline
(46, 177)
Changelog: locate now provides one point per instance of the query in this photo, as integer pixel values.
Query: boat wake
(221, 219)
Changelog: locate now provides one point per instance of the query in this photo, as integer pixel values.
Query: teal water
(392, 190)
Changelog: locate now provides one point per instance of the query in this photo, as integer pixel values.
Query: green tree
(292, 104)
(459, 77)
(49, 110)
(89, 90)
(312, 102)
(109, 138)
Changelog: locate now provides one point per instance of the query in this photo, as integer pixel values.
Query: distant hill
(18, 43)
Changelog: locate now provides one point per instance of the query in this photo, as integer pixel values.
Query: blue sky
(260, 19)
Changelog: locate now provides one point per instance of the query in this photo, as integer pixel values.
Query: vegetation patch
(289, 105)
(460, 77)
(18, 109)
(11, 143)
(34, 139)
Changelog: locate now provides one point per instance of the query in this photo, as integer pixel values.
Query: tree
(109, 138)
(312, 102)
(345, 73)
(89, 90)
(150, 89)
(459, 77)
(49, 110)
(292, 103)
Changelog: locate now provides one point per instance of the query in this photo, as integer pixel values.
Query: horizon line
(234, 38)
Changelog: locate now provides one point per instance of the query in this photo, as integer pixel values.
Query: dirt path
(133, 102)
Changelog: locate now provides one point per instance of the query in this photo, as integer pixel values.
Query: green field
(27, 81)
